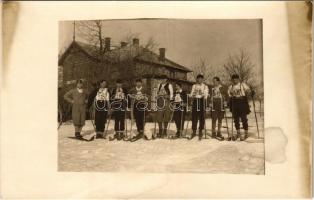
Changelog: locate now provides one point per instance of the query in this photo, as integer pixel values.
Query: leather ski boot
(238, 135)
(219, 136)
(213, 135)
(192, 135)
(137, 137)
(78, 135)
(178, 133)
(99, 135)
(245, 136)
(115, 136)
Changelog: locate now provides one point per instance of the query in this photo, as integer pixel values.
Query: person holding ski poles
(139, 106)
(199, 94)
(239, 105)
(78, 98)
(164, 112)
(217, 97)
(100, 97)
(118, 106)
(179, 107)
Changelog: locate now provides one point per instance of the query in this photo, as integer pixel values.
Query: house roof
(87, 49)
(137, 53)
(151, 57)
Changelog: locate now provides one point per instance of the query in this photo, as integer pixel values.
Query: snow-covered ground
(162, 155)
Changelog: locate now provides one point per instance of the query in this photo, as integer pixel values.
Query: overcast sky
(186, 40)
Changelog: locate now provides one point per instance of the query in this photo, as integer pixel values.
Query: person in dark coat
(78, 98)
(118, 106)
(179, 105)
(239, 105)
(138, 106)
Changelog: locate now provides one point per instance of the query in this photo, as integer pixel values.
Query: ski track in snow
(161, 155)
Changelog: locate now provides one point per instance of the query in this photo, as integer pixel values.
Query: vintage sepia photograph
(161, 96)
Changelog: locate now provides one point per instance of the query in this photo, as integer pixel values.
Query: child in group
(119, 106)
(139, 106)
(78, 98)
(217, 107)
(179, 102)
(101, 104)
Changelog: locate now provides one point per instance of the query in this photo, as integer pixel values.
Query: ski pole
(225, 114)
(60, 117)
(205, 106)
(109, 119)
(126, 124)
(181, 122)
(169, 125)
(255, 117)
(232, 118)
(132, 118)
(92, 115)
(144, 121)
(187, 124)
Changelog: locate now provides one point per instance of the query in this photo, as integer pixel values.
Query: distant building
(126, 62)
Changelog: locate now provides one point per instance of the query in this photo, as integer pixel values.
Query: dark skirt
(164, 112)
(239, 106)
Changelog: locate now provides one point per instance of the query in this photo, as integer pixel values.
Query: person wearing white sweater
(199, 94)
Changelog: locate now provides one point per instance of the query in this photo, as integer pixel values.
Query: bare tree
(201, 66)
(151, 44)
(242, 65)
(92, 31)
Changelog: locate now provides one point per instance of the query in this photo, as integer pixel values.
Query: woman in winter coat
(78, 98)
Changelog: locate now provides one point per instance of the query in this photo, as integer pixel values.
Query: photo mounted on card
(161, 96)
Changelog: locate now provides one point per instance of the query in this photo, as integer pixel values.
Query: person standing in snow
(78, 98)
(239, 105)
(101, 104)
(138, 106)
(217, 107)
(164, 112)
(199, 94)
(179, 104)
(119, 105)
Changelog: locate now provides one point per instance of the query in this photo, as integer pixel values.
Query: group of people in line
(171, 103)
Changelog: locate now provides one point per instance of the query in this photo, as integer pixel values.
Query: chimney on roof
(162, 54)
(107, 43)
(136, 41)
(123, 44)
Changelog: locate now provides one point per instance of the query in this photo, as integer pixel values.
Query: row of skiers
(171, 104)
